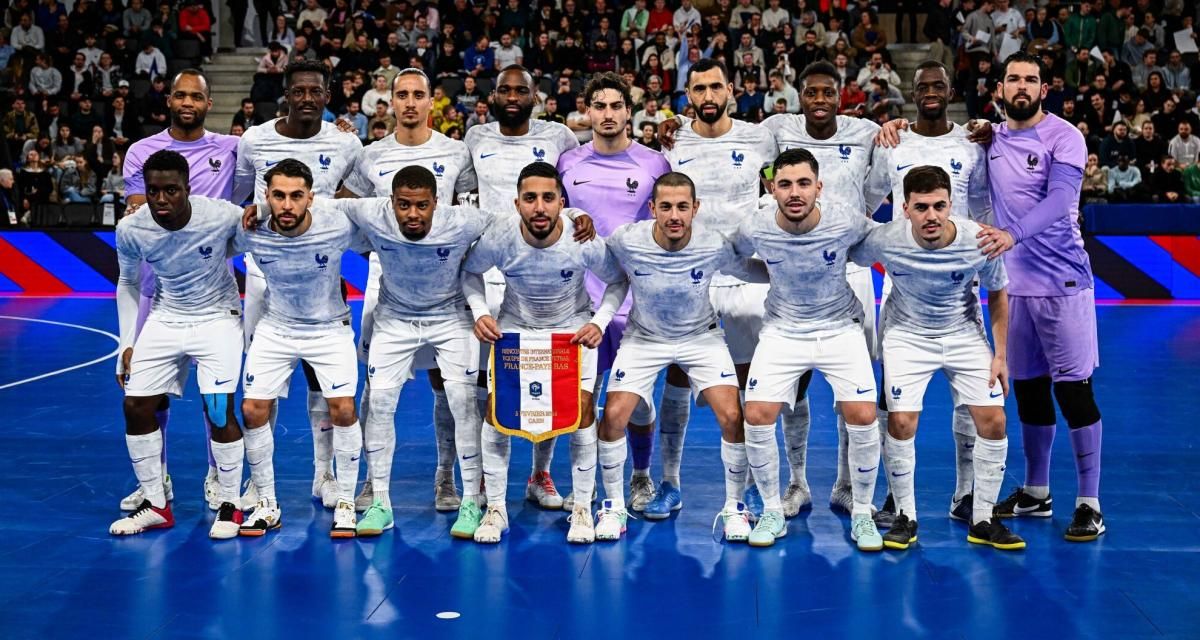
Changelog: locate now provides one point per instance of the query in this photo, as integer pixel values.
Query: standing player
(195, 315)
(813, 321)
(844, 148)
(300, 250)
(612, 178)
(499, 150)
(723, 157)
(331, 155)
(670, 263)
(934, 140)
(1036, 163)
(932, 321)
(544, 270)
(414, 143)
(211, 158)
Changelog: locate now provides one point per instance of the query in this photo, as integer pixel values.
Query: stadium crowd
(80, 85)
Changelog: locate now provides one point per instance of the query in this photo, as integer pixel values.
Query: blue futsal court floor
(65, 468)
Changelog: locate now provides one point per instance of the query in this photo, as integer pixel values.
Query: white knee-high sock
(543, 454)
(322, 432)
(734, 457)
(444, 432)
(583, 463)
(881, 419)
(497, 449)
(260, 449)
(229, 456)
(347, 448)
(460, 400)
(612, 470)
(380, 441)
(989, 459)
(863, 457)
(145, 452)
(964, 451)
(796, 424)
(900, 456)
(673, 420)
(364, 414)
(843, 455)
(762, 454)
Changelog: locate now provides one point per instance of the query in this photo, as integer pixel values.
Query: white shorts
(910, 360)
(425, 357)
(588, 359)
(396, 343)
(863, 284)
(741, 308)
(780, 361)
(274, 353)
(877, 351)
(164, 351)
(705, 359)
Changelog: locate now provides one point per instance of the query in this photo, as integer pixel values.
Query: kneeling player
(196, 314)
(670, 263)
(299, 251)
(931, 322)
(544, 271)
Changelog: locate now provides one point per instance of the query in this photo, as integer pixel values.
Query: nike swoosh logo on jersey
(995, 157)
(579, 182)
(271, 162)
(639, 273)
(339, 386)
(862, 391)
(221, 382)
(384, 173)
(483, 156)
(683, 162)
(898, 274)
(774, 261)
(387, 248)
(902, 168)
(727, 375)
(149, 261)
(268, 261)
(355, 458)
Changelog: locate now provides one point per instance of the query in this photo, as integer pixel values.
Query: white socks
(379, 441)
(964, 454)
(583, 463)
(443, 432)
(146, 454)
(900, 456)
(322, 432)
(734, 457)
(762, 454)
(460, 401)
(497, 449)
(796, 424)
(347, 447)
(229, 457)
(989, 459)
(543, 454)
(260, 448)
(863, 458)
(612, 471)
(674, 414)
(843, 455)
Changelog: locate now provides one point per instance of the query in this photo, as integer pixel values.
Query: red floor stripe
(353, 291)
(1185, 250)
(27, 274)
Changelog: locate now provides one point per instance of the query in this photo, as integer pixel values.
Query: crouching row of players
(433, 257)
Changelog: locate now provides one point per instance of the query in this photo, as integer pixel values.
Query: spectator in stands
(1147, 66)
(1184, 147)
(885, 100)
(480, 115)
(106, 76)
(10, 211)
(601, 58)
(28, 39)
(77, 80)
(747, 45)
(867, 37)
(357, 118)
(980, 85)
(1095, 181)
(150, 62)
(98, 152)
(19, 126)
(136, 19)
(1191, 183)
(1090, 140)
(571, 58)
(1081, 70)
(1125, 182)
(507, 53)
(1080, 29)
(739, 17)
(1166, 183)
(380, 114)
(248, 116)
(750, 103)
(280, 32)
(978, 22)
(939, 29)
(379, 92)
(1099, 117)
(877, 67)
(480, 60)
(774, 17)
(86, 117)
(1149, 146)
(155, 103)
(811, 51)
(194, 24)
(34, 184)
(845, 70)
(747, 69)
(44, 80)
(853, 99)
(1117, 145)
(1177, 74)
(469, 96)
(579, 122)
(782, 90)
(651, 113)
(550, 113)
(649, 136)
(112, 188)
(91, 52)
(65, 145)
(635, 17)
(76, 182)
(1167, 119)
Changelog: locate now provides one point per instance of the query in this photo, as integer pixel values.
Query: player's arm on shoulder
(584, 229)
(468, 180)
(866, 253)
(979, 192)
(878, 185)
(889, 134)
(739, 263)
(244, 175)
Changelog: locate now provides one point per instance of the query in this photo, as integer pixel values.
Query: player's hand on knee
(126, 358)
(999, 374)
(980, 131)
(584, 229)
(994, 242)
(486, 330)
(250, 217)
(589, 336)
(889, 133)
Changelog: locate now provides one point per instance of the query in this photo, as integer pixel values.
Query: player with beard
(414, 143)
(723, 157)
(331, 155)
(211, 158)
(499, 150)
(196, 314)
(935, 141)
(1036, 163)
(612, 179)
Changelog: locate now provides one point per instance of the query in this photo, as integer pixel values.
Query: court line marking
(89, 363)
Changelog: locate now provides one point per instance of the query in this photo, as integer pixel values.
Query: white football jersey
(499, 159)
(961, 159)
(331, 155)
(447, 158)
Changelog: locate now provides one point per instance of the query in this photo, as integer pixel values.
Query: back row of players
(431, 261)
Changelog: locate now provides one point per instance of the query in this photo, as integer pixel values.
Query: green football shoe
(469, 517)
(375, 520)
